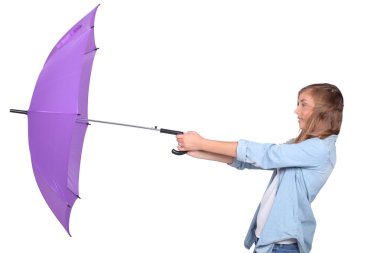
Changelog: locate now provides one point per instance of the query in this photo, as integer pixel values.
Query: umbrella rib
(26, 112)
(91, 51)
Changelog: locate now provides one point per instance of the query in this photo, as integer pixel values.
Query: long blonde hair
(327, 115)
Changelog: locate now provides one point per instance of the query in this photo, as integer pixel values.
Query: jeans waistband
(286, 246)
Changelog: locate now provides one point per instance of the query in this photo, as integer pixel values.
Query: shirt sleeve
(242, 165)
(253, 155)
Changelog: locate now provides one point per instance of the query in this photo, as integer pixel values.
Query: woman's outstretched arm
(211, 156)
(203, 148)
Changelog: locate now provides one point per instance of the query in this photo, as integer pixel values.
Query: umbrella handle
(177, 152)
(173, 132)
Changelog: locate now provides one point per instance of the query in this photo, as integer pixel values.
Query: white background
(228, 69)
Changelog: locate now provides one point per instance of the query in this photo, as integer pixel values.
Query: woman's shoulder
(327, 141)
(316, 140)
(320, 146)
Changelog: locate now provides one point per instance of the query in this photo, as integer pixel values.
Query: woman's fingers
(188, 141)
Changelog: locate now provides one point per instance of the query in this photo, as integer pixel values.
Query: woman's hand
(190, 141)
(199, 147)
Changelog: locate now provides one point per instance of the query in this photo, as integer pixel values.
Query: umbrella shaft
(161, 130)
(121, 124)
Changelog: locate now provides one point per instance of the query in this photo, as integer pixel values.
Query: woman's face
(305, 107)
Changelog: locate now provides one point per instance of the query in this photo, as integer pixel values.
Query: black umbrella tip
(18, 111)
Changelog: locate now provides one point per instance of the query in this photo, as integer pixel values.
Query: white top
(266, 206)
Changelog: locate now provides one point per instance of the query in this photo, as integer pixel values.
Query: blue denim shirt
(307, 166)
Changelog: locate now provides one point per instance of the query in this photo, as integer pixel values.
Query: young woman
(284, 221)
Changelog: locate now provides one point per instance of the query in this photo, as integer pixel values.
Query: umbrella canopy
(58, 118)
(55, 134)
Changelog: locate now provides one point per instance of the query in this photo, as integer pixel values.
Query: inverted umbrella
(57, 118)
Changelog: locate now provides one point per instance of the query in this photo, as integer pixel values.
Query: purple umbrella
(60, 97)
(57, 118)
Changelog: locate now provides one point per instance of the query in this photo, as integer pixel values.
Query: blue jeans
(285, 248)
